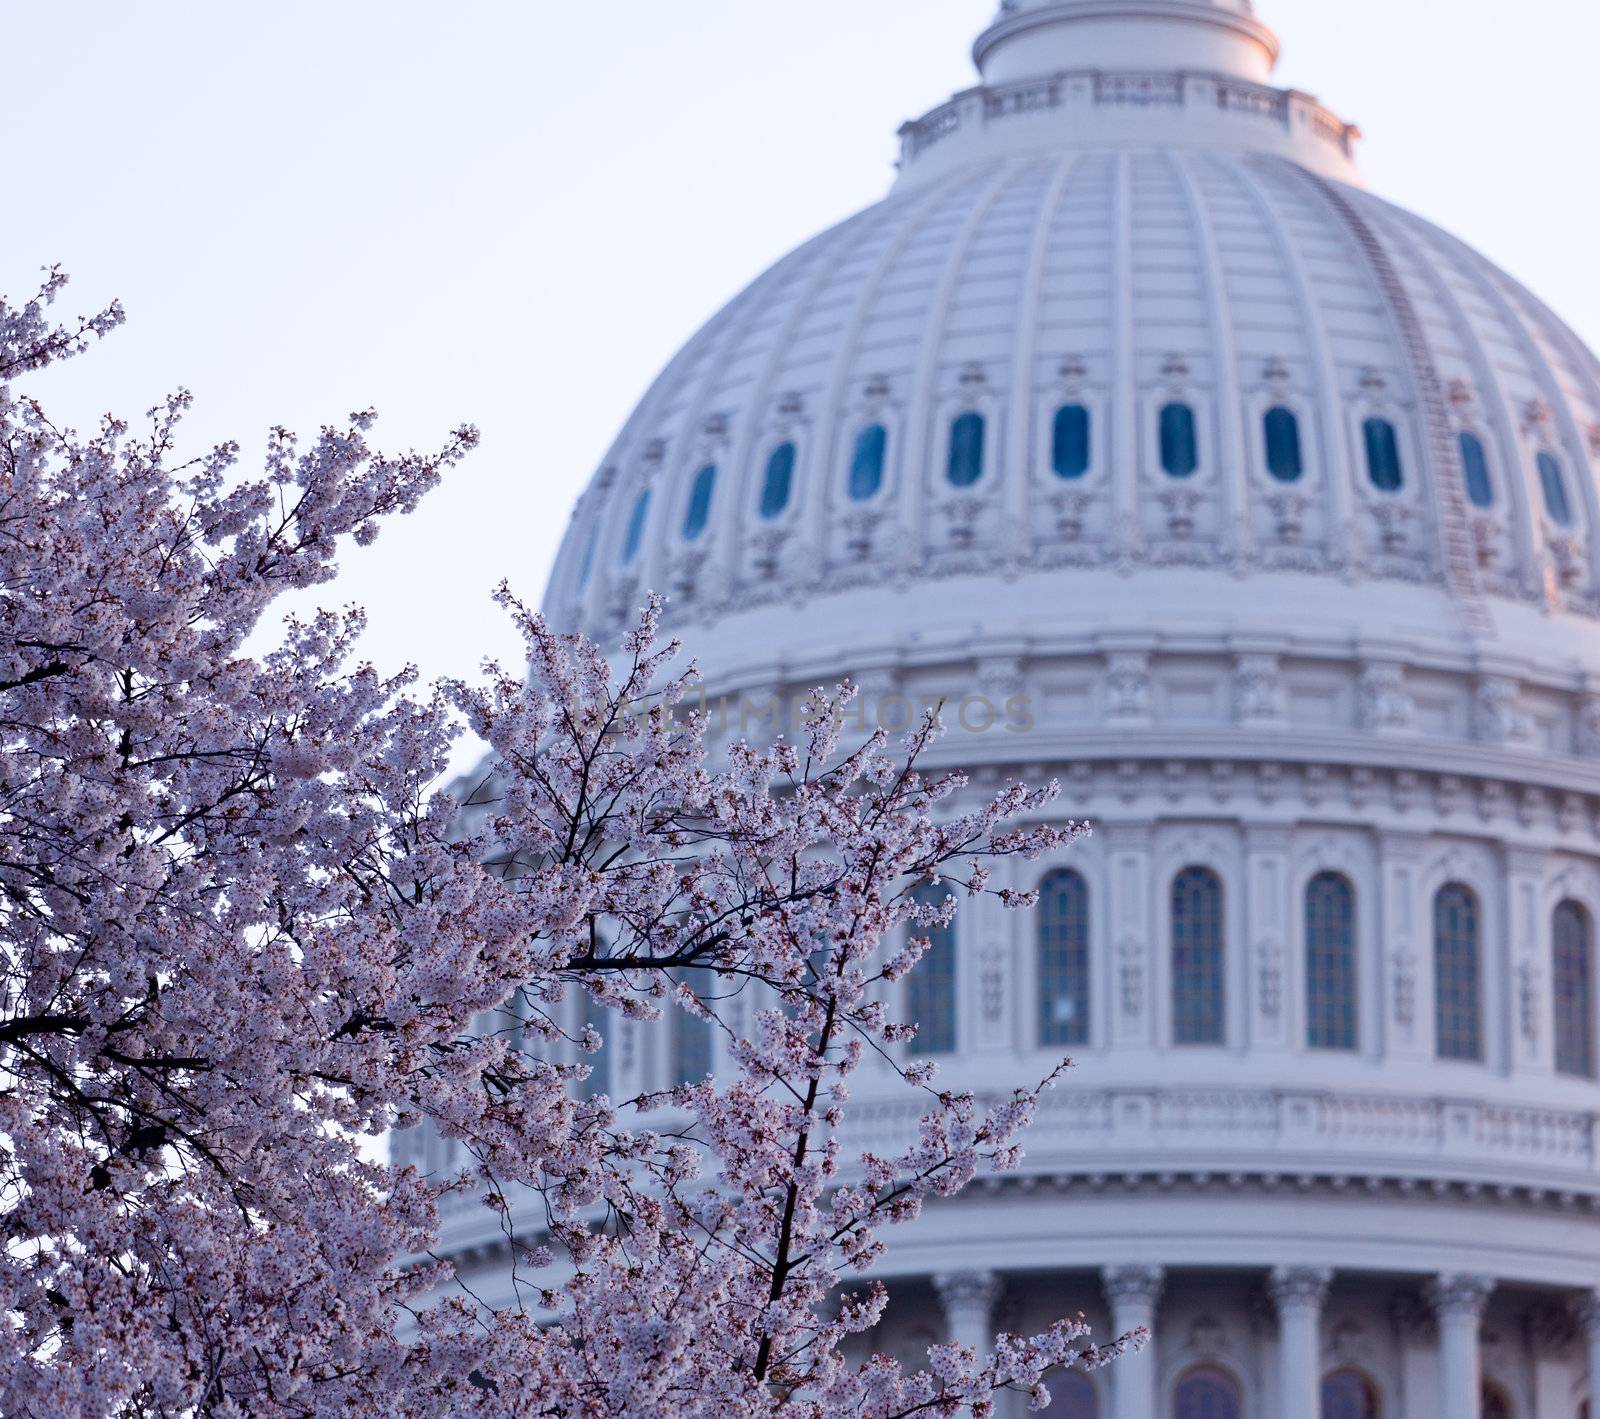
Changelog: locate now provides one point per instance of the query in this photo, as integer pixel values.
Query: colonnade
(1456, 1302)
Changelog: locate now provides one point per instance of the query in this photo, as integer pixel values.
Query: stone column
(968, 1298)
(1458, 1302)
(1589, 1319)
(1299, 1292)
(1132, 1292)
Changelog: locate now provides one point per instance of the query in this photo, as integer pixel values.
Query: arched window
(1572, 976)
(691, 1036)
(1207, 1393)
(636, 525)
(1458, 1007)
(1069, 442)
(777, 486)
(1496, 1402)
(1180, 447)
(1198, 990)
(1063, 960)
(698, 513)
(866, 462)
(586, 565)
(931, 987)
(1331, 985)
(1383, 455)
(1553, 482)
(1349, 1394)
(1475, 467)
(966, 451)
(1282, 431)
(1073, 1396)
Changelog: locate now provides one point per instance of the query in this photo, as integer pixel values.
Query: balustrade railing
(1122, 89)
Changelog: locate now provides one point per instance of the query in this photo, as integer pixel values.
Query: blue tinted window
(777, 486)
(1063, 917)
(636, 525)
(866, 462)
(1180, 450)
(1349, 1394)
(1282, 430)
(1458, 1008)
(586, 566)
(1331, 963)
(1198, 989)
(1207, 1393)
(1383, 455)
(966, 451)
(1573, 978)
(1069, 442)
(1554, 484)
(931, 988)
(698, 513)
(1475, 469)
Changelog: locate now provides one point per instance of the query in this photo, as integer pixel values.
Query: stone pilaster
(1132, 1293)
(969, 1298)
(1458, 1302)
(1299, 1293)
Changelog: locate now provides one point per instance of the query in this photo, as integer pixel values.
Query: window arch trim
(1572, 980)
(965, 460)
(933, 987)
(869, 462)
(638, 521)
(702, 496)
(1458, 973)
(1366, 1403)
(1197, 944)
(1554, 488)
(1198, 1389)
(1332, 961)
(1178, 438)
(1072, 441)
(1283, 443)
(1475, 469)
(1380, 438)
(777, 480)
(1064, 968)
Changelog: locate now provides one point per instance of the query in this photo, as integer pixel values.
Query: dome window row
(1071, 458)
(1210, 1392)
(1198, 970)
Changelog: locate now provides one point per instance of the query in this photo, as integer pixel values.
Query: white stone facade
(1268, 677)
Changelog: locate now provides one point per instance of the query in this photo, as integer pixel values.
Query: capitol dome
(1263, 514)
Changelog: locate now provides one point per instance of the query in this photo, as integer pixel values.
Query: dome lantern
(1031, 38)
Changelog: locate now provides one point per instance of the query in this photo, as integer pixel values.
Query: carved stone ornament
(1261, 699)
(992, 983)
(1403, 965)
(1128, 689)
(1385, 706)
(1300, 1287)
(1528, 981)
(1269, 975)
(1136, 1285)
(1456, 1295)
(1497, 719)
(1130, 970)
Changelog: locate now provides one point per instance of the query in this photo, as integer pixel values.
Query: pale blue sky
(514, 213)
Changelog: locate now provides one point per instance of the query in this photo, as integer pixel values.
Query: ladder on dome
(1449, 480)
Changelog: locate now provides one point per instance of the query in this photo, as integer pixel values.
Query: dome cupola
(1030, 38)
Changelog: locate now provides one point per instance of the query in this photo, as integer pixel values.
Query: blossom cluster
(241, 932)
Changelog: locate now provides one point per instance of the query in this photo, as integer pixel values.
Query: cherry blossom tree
(242, 934)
